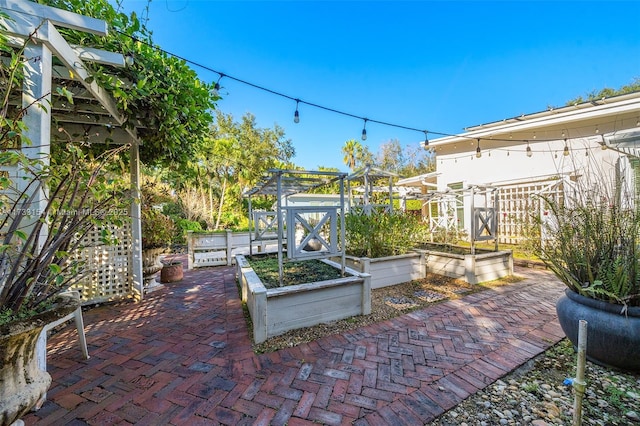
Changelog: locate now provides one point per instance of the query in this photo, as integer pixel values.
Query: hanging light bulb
(529, 152)
(129, 59)
(603, 144)
(565, 151)
(563, 134)
(296, 115)
(534, 135)
(478, 151)
(597, 129)
(586, 152)
(508, 153)
(426, 139)
(364, 130)
(216, 87)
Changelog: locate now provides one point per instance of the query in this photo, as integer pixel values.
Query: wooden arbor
(308, 232)
(93, 116)
(367, 177)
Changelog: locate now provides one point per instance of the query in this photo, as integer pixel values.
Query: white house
(505, 162)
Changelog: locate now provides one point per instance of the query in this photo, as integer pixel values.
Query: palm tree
(351, 151)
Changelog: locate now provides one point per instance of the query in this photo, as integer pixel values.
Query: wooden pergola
(93, 116)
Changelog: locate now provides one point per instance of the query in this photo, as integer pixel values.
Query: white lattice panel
(108, 268)
(519, 206)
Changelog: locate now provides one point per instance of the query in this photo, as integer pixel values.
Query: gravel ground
(532, 395)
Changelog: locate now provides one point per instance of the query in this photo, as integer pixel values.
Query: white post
(136, 222)
(36, 101)
(229, 238)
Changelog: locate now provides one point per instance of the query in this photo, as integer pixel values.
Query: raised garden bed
(450, 261)
(276, 310)
(390, 270)
(458, 262)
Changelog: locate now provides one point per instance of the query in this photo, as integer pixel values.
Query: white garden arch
(94, 113)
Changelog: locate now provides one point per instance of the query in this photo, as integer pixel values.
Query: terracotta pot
(22, 383)
(613, 337)
(171, 272)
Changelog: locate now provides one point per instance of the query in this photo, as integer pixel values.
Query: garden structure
(57, 89)
(116, 271)
(367, 183)
(303, 233)
(527, 155)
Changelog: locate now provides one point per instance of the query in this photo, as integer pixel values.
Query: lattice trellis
(519, 206)
(266, 225)
(484, 224)
(108, 268)
(322, 231)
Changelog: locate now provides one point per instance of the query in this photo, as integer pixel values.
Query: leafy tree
(356, 155)
(350, 151)
(158, 93)
(608, 92)
(232, 159)
(390, 156)
(410, 161)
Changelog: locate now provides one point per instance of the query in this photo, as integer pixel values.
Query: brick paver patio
(183, 356)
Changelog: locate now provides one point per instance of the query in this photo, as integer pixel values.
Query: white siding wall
(499, 166)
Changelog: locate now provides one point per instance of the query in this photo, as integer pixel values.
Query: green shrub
(183, 226)
(383, 234)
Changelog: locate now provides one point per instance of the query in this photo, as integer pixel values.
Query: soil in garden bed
(294, 272)
(448, 248)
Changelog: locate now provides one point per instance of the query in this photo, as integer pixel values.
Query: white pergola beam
(65, 53)
(58, 17)
(99, 56)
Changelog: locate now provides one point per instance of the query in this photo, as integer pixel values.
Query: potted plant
(47, 205)
(157, 229)
(593, 247)
(36, 254)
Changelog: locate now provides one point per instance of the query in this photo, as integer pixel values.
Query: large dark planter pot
(613, 339)
(22, 383)
(171, 272)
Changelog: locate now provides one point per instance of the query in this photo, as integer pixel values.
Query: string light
(129, 59)
(216, 87)
(298, 101)
(364, 130)
(426, 139)
(478, 152)
(565, 151)
(296, 115)
(529, 152)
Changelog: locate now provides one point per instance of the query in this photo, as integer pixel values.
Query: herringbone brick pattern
(183, 356)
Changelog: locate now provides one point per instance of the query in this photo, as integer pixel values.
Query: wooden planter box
(219, 248)
(471, 268)
(275, 311)
(390, 270)
(474, 269)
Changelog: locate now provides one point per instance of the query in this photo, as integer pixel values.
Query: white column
(136, 222)
(36, 102)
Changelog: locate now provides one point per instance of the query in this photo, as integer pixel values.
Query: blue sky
(435, 65)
